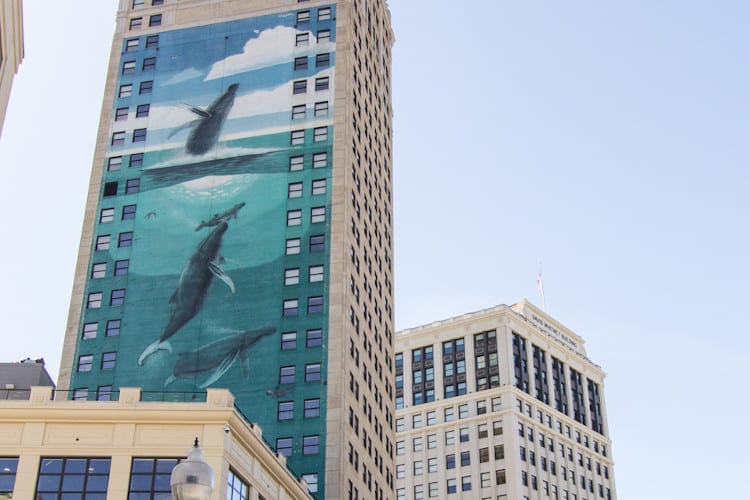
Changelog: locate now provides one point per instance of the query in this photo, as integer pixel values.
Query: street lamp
(192, 479)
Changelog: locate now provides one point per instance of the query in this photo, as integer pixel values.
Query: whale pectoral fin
(181, 128)
(219, 273)
(225, 364)
(152, 348)
(200, 112)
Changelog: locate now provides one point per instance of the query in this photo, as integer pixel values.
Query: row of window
(290, 307)
(132, 186)
(324, 14)
(294, 217)
(320, 110)
(317, 243)
(133, 44)
(136, 23)
(116, 298)
(449, 414)
(286, 409)
(118, 138)
(314, 273)
(322, 60)
(103, 393)
(86, 361)
(451, 485)
(115, 162)
(554, 491)
(295, 189)
(298, 136)
(418, 443)
(144, 88)
(313, 338)
(297, 162)
(108, 214)
(129, 66)
(141, 111)
(112, 329)
(303, 39)
(141, 3)
(99, 269)
(300, 86)
(310, 445)
(418, 466)
(124, 239)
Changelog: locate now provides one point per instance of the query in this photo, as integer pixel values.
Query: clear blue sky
(608, 140)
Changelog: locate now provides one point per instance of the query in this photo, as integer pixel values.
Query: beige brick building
(11, 49)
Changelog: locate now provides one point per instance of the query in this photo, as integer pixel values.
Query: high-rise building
(11, 49)
(238, 228)
(500, 404)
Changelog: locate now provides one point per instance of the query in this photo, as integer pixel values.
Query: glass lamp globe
(192, 479)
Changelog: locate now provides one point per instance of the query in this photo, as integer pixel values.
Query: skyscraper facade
(238, 229)
(500, 404)
(11, 49)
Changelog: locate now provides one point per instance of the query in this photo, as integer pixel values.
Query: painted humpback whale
(205, 130)
(192, 288)
(221, 217)
(218, 356)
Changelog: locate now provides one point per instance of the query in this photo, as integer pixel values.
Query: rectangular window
(292, 246)
(104, 393)
(284, 446)
(146, 87)
(311, 478)
(136, 160)
(314, 338)
(136, 23)
(149, 477)
(320, 160)
(324, 14)
(132, 186)
(303, 16)
(296, 163)
(102, 242)
(126, 90)
(142, 110)
(121, 114)
(152, 42)
(465, 458)
(312, 372)
(324, 36)
(298, 137)
(131, 45)
(323, 60)
(114, 163)
(125, 239)
(466, 483)
(310, 445)
(286, 410)
(118, 138)
(121, 267)
(298, 112)
(109, 359)
(321, 83)
(139, 135)
(320, 134)
(113, 328)
(317, 243)
(80, 394)
(72, 477)
(451, 485)
(299, 87)
(157, 2)
(154, 20)
(294, 190)
(314, 304)
(288, 341)
(98, 270)
(110, 189)
(89, 331)
(315, 274)
(312, 408)
(318, 214)
(286, 375)
(318, 186)
(85, 362)
(300, 63)
(291, 276)
(117, 297)
(321, 108)
(94, 300)
(302, 39)
(128, 212)
(138, 3)
(128, 67)
(294, 217)
(291, 307)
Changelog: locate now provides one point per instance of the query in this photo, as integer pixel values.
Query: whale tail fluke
(155, 346)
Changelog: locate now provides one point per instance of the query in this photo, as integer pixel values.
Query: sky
(605, 142)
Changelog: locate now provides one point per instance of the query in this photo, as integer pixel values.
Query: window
(300, 63)
(449, 414)
(294, 217)
(128, 67)
(80, 394)
(284, 446)
(320, 134)
(113, 328)
(139, 135)
(314, 338)
(311, 478)
(126, 90)
(481, 407)
(295, 190)
(125, 239)
(418, 467)
(484, 455)
(237, 489)
(466, 483)
(416, 421)
(315, 304)
(320, 160)
(463, 411)
(72, 478)
(465, 458)
(433, 489)
(463, 434)
(482, 431)
(136, 160)
(500, 476)
(316, 274)
(312, 408)
(114, 163)
(138, 3)
(110, 189)
(400, 471)
(128, 212)
(431, 441)
(146, 87)
(318, 214)
(450, 461)
(321, 83)
(286, 375)
(285, 410)
(136, 23)
(298, 112)
(121, 114)
(321, 108)
(323, 60)
(121, 267)
(152, 41)
(292, 246)
(154, 20)
(298, 137)
(118, 138)
(288, 341)
(131, 45)
(291, 276)
(104, 393)
(450, 485)
(303, 16)
(497, 427)
(98, 270)
(85, 362)
(324, 14)
(290, 307)
(324, 36)
(499, 451)
(117, 297)
(89, 331)
(142, 110)
(94, 300)
(299, 87)
(317, 243)
(109, 359)
(296, 163)
(312, 372)
(102, 242)
(157, 2)
(497, 404)
(132, 186)
(310, 445)
(302, 39)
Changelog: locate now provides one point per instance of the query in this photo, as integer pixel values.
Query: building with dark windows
(238, 229)
(11, 49)
(16, 379)
(500, 404)
(126, 449)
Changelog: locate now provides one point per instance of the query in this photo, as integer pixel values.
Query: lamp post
(192, 479)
